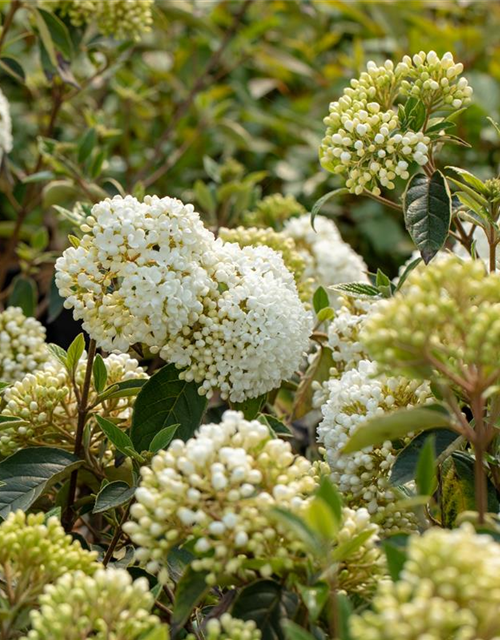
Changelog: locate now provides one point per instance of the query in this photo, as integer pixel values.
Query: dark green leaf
(277, 427)
(407, 271)
(331, 497)
(295, 632)
(24, 295)
(163, 438)
(320, 299)
(395, 425)
(251, 407)
(315, 598)
(86, 145)
(260, 601)
(58, 33)
(13, 67)
(425, 473)
(427, 211)
(124, 389)
(319, 203)
(191, 589)
(113, 495)
(56, 302)
(395, 551)
(27, 474)
(115, 435)
(100, 373)
(163, 401)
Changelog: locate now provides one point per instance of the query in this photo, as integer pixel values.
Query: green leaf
(115, 435)
(299, 526)
(163, 438)
(40, 239)
(425, 473)
(113, 495)
(319, 203)
(260, 601)
(295, 632)
(357, 289)
(45, 36)
(123, 389)
(393, 426)
(395, 551)
(24, 295)
(277, 427)
(100, 373)
(58, 32)
(86, 145)
(346, 549)
(328, 493)
(318, 371)
(75, 352)
(27, 474)
(407, 271)
(13, 67)
(404, 468)
(204, 196)
(191, 590)
(344, 611)
(327, 313)
(59, 353)
(315, 598)
(159, 633)
(250, 407)
(163, 401)
(427, 211)
(320, 299)
(477, 184)
(320, 518)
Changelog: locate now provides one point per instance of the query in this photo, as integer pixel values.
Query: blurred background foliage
(221, 104)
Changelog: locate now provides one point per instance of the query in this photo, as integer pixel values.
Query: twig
(16, 4)
(116, 538)
(385, 201)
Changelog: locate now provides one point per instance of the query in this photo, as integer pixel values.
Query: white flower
(22, 344)
(6, 141)
(363, 477)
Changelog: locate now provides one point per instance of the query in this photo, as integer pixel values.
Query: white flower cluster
(151, 273)
(103, 606)
(22, 344)
(365, 140)
(329, 260)
(448, 588)
(216, 491)
(252, 333)
(46, 408)
(6, 142)
(228, 628)
(363, 477)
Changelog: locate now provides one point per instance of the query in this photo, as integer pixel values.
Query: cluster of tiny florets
(6, 141)
(216, 491)
(107, 605)
(45, 406)
(22, 344)
(35, 553)
(445, 315)
(366, 141)
(273, 210)
(282, 244)
(228, 628)
(329, 260)
(363, 477)
(121, 19)
(448, 588)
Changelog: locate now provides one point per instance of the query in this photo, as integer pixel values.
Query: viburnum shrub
(252, 435)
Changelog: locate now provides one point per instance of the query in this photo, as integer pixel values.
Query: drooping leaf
(317, 206)
(113, 495)
(13, 67)
(28, 473)
(56, 30)
(477, 184)
(260, 601)
(163, 401)
(395, 425)
(427, 211)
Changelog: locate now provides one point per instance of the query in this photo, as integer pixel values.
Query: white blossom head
(22, 344)
(6, 142)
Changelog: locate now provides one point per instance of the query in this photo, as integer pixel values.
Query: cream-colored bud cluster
(22, 344)
(228, 628)
(446, 315)
(273, 210)
(46, 408)
(329, 260)
(216, 491)
(121, 19)
(448, 588)
(106, 605)
(6, 141)
(366, 141)
(150, 273)
(363, 477)
(279, 242)
(34, 553)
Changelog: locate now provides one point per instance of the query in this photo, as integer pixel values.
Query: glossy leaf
(113, 495)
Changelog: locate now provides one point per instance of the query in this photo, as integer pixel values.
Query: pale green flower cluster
(22, 344)
(280, 242)
(104, 606)
(366, 141)
(273, 210)
(121, 19)
(445, 318)
(448, 588)
(46, 408)
(228, 628)
(34, 554)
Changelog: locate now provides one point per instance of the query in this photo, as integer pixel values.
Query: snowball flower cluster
(105, 605)
(228, 628)
(34, 554)
(216, 491)
(329, 260)
(44, 407)
(273, 210)
(121, 19)
(366, 141)
(6, 141)
(363, 477)
(22, 344)
(445, 317)
(448, 588)
(282, 244)
(151, 273)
